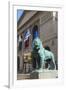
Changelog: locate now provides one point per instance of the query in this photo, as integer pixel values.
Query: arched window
(35, 31)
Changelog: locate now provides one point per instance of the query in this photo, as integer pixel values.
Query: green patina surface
(42, 52)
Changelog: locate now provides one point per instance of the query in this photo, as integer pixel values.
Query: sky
(19, 13)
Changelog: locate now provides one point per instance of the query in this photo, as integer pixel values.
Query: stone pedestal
(44, 74)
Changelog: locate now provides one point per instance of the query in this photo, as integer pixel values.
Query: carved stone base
(44, 74)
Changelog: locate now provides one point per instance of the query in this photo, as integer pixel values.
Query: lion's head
(37, 44)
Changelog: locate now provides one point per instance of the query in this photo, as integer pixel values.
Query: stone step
(23, 76)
